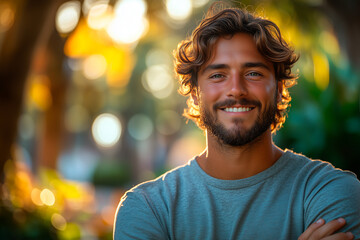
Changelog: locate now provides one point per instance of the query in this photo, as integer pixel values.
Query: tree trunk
(19, 45)
(344, 16)
(51, 135)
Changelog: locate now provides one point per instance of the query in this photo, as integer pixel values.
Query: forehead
(237, 49)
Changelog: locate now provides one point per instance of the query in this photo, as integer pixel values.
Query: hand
(320, 230)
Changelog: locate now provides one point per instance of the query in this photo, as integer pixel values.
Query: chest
(260, 212)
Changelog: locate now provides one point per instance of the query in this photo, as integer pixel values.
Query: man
(236, 69)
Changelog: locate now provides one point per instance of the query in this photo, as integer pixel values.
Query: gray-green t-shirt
(278, 203)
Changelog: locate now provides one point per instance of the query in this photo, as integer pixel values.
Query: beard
(238, 135)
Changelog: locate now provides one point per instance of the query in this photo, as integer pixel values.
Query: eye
(254, 74)
(216, 76)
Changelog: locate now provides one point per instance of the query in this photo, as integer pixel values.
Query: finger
(328, 229)
(340, 236)
(310, 230)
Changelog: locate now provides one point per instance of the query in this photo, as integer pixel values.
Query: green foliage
(111, 173)
(21, 224)
(325, 124)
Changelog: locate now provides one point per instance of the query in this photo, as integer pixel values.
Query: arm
(135, 219)
(333, 196)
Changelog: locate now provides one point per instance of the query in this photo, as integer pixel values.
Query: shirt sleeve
(333, 196)
(135, 219)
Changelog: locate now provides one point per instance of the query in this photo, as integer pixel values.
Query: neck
(228, 162)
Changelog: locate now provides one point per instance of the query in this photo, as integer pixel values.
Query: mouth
(240, 106)
(237, 109)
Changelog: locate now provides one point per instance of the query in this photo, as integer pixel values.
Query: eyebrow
(245, 65)
(215, 66)
(256, 64)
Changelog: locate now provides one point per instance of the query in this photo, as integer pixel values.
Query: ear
(194, 97)
(279, 90)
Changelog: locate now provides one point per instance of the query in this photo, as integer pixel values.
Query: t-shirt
(277, 203)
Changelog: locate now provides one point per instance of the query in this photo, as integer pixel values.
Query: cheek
(210, 93)
(265, 92)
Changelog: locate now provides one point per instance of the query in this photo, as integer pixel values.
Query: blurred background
(89, 104)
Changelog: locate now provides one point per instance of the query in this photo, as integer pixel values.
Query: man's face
(237, 91)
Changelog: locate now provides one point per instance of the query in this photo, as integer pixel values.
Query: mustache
(231, 102)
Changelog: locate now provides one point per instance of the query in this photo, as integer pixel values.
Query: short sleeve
(135, 219)
(332, 196)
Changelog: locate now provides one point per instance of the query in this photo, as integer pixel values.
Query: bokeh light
(106, 130)
(100, 15)
(157, 57)
(94, 66)
(35, 197)
(47, 197)
(158, 81)
(67, 16)
(199, 3)
(179, 10)
(58, 221)
(88, 4)
(118, 58)
(126, 12)
(140, 127)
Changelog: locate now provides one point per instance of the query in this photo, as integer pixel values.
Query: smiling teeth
(240, 109)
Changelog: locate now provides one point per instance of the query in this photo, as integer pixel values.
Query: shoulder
(319, 177)
(159, 192)
(316, 171)
(167, 182)
(328, 192)
(147, 204)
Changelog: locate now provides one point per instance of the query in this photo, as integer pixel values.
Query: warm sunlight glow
(88, 4)
(106, 130)
(35, 197)
(179, 10)
(39, 92)
(158, 80)
(84, 42)
(7, 16)
(121, 63)
(126, 12)
(321, 70)
(199, 3)
(94, 66)
(99, 16)
(108, 214)
(67, 16)
(47, 197)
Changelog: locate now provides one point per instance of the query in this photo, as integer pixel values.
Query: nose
(237, 86)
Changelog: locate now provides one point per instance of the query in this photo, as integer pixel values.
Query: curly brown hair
(193, 53)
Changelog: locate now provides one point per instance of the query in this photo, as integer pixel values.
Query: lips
(241, 105)
(238, 109)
